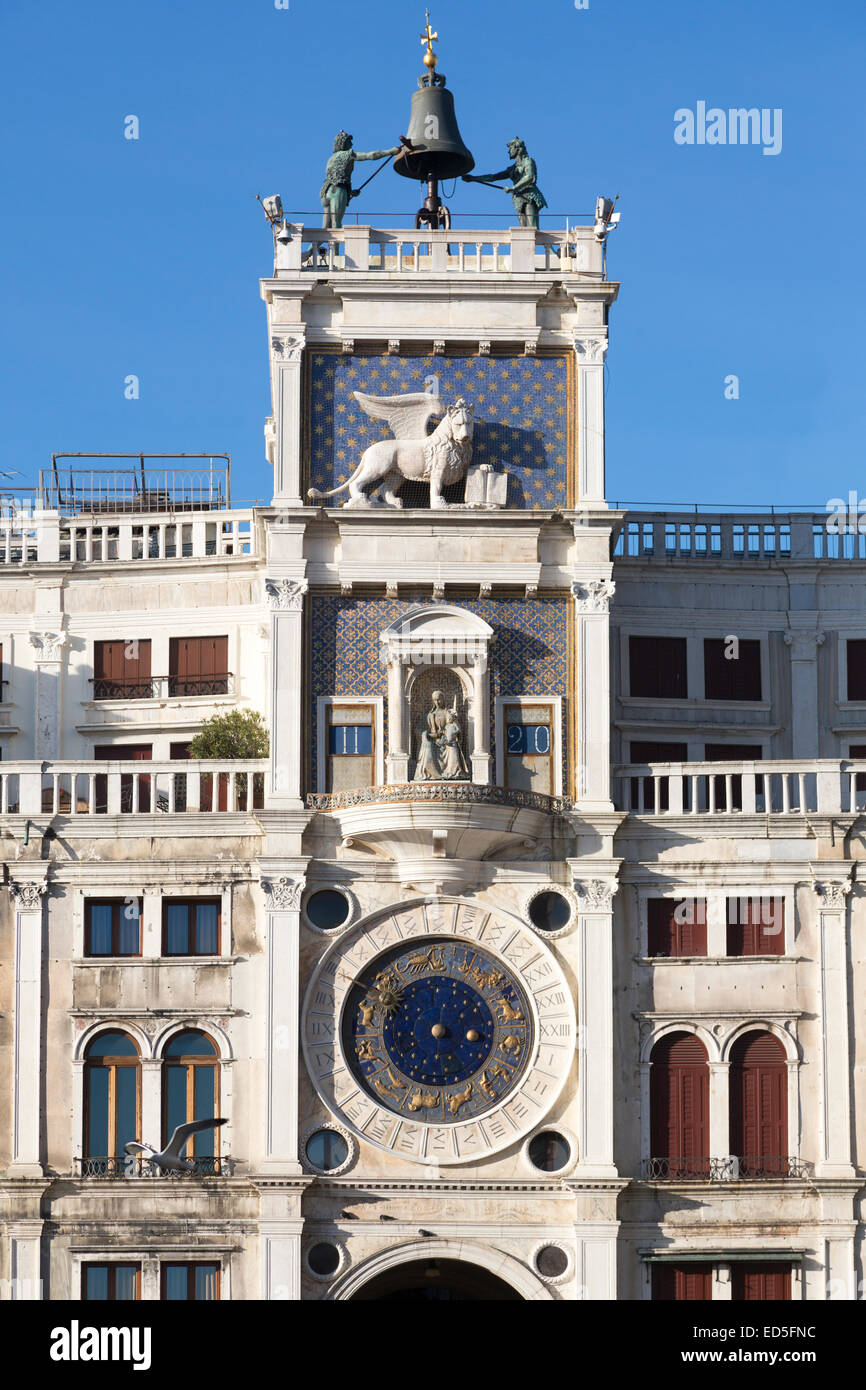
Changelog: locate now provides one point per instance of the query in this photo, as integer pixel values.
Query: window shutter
(759, 1097)
(857, 669)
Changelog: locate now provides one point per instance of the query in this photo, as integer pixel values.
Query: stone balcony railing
(404, 251)
(79, 789)
(29, 537)
(824, 787)
(773, 538)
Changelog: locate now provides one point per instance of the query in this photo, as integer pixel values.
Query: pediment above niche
(433, 634)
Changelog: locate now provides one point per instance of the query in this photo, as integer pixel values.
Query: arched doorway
(436, 1280)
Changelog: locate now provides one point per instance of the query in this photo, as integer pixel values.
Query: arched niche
(453, 643)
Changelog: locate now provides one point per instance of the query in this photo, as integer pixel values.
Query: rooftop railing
(29, 538)
(823, 786)
(101, 483)
(772, 538)
(572, 251)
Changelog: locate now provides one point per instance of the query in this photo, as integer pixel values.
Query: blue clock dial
(437, 1029)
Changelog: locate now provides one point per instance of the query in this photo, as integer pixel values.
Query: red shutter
(756, 926)
(761, 1282)
(679, 1099)
(198, 665)
(668, 937)
(759, 1102)
(683, 1283)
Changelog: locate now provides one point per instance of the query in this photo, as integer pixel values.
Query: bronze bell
(438, 150)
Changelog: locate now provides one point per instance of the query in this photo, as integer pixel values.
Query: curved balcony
(420, 821)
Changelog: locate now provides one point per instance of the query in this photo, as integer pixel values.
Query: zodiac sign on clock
(427, 960)
(423, 1100)
(460, 1098)
(507, 1013)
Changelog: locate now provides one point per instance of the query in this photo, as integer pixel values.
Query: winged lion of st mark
(439, 458)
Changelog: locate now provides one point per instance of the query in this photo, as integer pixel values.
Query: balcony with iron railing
(162, 687)
(823, 786)
(139, 1166)
(729, 1168)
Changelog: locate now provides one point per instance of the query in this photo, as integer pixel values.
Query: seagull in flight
(170, 1159)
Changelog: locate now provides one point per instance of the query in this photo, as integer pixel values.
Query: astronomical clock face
(438, 1029)
(441, 1032)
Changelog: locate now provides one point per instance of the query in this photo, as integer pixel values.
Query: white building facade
(572, 1014)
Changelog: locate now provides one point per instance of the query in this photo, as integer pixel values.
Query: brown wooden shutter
(683, 1283)
(657, 667)
(761, 1282)
(756, 927)
(679, 1098)
(727, 678)
(759, 1099)
(668, 937)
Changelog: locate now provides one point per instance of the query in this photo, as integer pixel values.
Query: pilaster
(595, 1028)
(592, 598)
(283, 890)
(590, 347)
(834, 1118)
(27, 895)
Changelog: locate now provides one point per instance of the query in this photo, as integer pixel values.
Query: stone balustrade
(769, 538)
(573, 250)
(821, 786)
(79, 789)
(46, 536)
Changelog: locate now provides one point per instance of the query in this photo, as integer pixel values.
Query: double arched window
(113, 1099)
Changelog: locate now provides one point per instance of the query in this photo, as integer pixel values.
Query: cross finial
(429, 37)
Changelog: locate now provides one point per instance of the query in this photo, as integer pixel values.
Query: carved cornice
(591, 350)
(286, 594)
(28, 894)
(282, 894)
(48, 646)
(593, 595)
(596, 894)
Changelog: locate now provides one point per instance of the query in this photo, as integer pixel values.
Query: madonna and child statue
(440, 751)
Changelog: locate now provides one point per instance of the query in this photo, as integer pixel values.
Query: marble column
(804, 644)
(834, 1096)
(27, 898)
(282, 1025)
(399, 751)
(286, 597)
(287, 355)
(590, 346)
(48, 652)
(592, 623)
(595, 1029)
(481, 720)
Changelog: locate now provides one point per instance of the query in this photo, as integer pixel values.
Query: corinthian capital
(48, 645)
(282, 894)
(591, 349)
(28, 895)
(287, 594)
(593, 595)
(596, 895)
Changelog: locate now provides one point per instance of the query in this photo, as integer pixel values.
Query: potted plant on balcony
(239, 733)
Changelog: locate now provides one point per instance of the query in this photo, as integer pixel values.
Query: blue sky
(143, 256)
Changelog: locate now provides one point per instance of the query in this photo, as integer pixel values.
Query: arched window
(679, 1107)
(759, 1106)
(112, 1101)
(191, 1092)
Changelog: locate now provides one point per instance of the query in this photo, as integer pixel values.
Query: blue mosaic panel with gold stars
(521, 415)
(528, 656)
